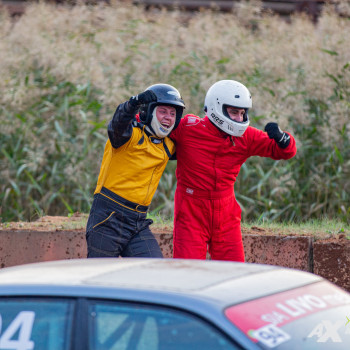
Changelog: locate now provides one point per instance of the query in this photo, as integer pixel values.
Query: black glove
(277, 134)
(142, 99)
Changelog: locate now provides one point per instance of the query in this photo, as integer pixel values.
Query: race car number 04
(271, 335)
(23, 324)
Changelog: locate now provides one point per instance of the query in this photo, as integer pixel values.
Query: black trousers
(117, 227)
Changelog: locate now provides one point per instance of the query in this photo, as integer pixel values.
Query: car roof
(227, 283)
(204, 288)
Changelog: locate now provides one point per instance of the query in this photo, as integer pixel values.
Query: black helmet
(166, 95)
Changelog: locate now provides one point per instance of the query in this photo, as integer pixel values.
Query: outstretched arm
(273, 143)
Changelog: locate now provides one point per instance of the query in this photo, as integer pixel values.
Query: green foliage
(48, 151)
(316, 183)
(63, 77)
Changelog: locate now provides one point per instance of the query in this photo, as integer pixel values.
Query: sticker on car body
(283, 308)
(271, 335)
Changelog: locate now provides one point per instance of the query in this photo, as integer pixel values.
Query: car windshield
(312, 317)
(32, 323)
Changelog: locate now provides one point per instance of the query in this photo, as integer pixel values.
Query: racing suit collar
(213, 129)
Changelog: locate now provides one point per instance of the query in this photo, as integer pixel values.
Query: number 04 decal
(23, 323)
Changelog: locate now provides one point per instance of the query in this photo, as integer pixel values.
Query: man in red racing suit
(210, 152)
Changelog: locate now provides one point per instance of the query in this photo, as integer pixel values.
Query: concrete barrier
(329, 259)
(287, 251)
(23, 247)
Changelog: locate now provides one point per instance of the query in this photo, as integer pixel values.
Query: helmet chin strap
(157, 128)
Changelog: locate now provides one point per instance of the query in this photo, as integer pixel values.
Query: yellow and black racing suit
(132, 165)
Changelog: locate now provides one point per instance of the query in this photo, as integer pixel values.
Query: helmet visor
(237, 114)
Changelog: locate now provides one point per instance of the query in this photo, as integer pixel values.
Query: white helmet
(226, 93)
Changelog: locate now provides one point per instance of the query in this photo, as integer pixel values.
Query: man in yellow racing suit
(134, 159)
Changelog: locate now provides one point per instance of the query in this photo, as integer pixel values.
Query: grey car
(163, 304)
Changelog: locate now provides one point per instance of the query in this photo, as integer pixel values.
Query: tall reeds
(65, 69)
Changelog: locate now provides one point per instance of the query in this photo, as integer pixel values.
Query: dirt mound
(77, 221)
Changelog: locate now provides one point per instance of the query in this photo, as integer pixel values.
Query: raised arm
(120, 127)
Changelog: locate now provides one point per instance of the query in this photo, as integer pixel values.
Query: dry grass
(298, 74)
(120, 49)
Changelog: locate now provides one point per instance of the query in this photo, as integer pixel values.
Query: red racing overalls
(206, 213)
